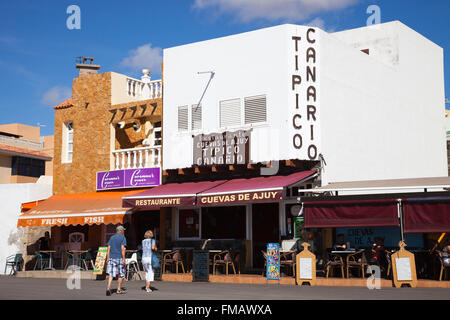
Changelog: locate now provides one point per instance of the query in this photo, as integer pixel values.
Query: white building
(11, 197)
(306, 92)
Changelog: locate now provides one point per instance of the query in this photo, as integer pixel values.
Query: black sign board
(200, 266)
(222, 148)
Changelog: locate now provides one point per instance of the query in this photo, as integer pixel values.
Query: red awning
(426, 215)
(260, 189)
(362, 213)
(169, 195)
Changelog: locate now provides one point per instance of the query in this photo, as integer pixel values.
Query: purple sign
(128, 178)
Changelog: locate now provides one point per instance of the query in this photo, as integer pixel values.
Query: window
(188, 223)
(224, 222)
(255, 109)
(157, 134)
(196, 117)
(230, 113)
(110, 230)
(183, 121)
(67, 147)
(27, 167)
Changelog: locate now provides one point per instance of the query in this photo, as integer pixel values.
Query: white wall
(379, 116)
(382, 115)
(248, 64)
(11, 198)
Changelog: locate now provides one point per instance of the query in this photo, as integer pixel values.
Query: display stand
(273, 262)
(306, 266)
(99, 267)
(403, 267)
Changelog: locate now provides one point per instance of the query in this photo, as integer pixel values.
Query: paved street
(29, 288)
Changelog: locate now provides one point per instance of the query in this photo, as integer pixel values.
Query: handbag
(155, 260)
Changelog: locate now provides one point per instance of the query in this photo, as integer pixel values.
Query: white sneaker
(149, 290)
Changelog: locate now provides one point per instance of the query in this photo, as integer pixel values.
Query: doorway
(265, 229)
(143, 221)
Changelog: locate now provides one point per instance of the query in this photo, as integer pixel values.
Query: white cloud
(144, 57)
(56, 95)
(284, 10)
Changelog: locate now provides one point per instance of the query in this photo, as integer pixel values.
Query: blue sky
(37, 50)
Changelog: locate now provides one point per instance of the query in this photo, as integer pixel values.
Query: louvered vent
(255, 109)
(196, 117)
(183, 122)
(230, 113)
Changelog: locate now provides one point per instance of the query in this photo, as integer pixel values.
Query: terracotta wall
(91, 98)
(94, 120)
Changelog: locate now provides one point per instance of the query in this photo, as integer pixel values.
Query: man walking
(116, 259)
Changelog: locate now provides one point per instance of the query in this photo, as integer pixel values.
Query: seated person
(341, 244)
(377, 251)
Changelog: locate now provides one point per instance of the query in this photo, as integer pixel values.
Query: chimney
(86, 67)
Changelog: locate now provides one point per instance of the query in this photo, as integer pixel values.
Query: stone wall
(94, 119)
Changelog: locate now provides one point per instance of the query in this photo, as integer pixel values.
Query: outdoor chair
(133, 266)
(41, 260)
(72, 259)
(388, 263)
(334, 261)
(445, 266)
(223, 259)
(288, 260)
(86, 259)
(356, 260)
(173, 258)
(15, 262)
(265, 262)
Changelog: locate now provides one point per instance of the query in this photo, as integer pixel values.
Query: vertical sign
(304, 93)
(273, 261)
(100, 260)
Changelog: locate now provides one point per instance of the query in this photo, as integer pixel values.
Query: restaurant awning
(359, 213)
(259, 189)
(426, 215)
(169, 195)
(74, 209)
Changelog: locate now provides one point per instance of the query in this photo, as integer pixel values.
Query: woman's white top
(147, 247)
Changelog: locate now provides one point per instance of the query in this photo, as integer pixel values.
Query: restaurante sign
(129, 178)
(222, 148)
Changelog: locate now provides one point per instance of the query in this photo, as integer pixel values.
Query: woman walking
(148, 245)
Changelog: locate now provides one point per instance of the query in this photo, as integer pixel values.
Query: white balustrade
(145, 157)
(144, 90)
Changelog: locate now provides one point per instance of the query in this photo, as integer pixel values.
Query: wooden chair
(287, 259)
(173, 258)
(223, 258)
(357, 260)
(444, 265)
(334, 261)
(265, 261)
(389, 263)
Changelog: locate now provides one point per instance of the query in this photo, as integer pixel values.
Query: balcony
(135, 158)
(143, 90)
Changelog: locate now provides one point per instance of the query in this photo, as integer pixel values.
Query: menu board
(200, 265)
(305, 268)
(100, 260)
(403, 269)
(273, 261)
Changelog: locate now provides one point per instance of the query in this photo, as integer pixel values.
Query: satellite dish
(297, 211)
